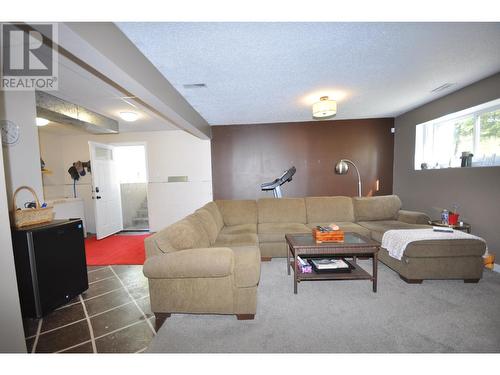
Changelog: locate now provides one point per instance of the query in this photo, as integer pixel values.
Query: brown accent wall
(244, 156)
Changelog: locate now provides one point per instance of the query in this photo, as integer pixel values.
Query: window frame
(476, 112)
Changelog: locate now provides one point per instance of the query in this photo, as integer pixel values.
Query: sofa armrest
(413, 217)
(151, 247)
(191, 263)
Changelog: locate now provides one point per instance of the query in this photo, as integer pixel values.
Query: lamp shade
(341, 167)
(325, 108)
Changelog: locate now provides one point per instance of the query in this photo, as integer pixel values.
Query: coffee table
(354, 245)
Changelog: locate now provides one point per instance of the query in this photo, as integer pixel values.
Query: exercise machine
(275, 185)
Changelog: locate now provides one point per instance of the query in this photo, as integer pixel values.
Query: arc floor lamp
(342, 167)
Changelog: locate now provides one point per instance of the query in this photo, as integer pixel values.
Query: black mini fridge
(50, 265)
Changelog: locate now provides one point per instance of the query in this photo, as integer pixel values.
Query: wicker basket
(30, 216)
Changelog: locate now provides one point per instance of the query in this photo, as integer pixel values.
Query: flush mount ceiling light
(324, 109)
(129, 116)
(40, 121)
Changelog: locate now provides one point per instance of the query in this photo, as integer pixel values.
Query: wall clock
(10, 132)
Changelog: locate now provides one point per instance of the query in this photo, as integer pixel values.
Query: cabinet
(50, 265)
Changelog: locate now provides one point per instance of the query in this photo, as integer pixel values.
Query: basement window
(446, 141)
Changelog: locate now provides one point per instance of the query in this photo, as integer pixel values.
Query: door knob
(98, 197)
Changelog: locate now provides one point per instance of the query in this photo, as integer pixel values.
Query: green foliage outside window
(464, 132)
(490, 124)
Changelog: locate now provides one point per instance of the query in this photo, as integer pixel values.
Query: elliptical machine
(275, 185)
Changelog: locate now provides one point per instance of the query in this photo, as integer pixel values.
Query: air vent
(442, 87)
(194, 86)
(177, 178)
(58, 110)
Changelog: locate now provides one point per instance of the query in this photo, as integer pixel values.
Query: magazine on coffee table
(330, 265)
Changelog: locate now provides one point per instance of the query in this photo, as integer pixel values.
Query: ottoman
(438, 259)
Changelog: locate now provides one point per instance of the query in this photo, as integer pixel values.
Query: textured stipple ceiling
(272, 72)
(78, 86)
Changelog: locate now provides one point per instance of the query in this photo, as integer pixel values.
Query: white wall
(52, 154)
(169, 153)
(11, 326)
(22, 161)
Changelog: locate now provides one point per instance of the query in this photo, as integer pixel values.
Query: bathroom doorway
(133, 177)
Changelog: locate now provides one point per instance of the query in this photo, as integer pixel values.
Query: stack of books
(330, 265)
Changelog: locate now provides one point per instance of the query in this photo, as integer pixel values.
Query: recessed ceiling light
(40, 121)
(129, 116)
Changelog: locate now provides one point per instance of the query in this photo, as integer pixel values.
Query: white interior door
(105, 190)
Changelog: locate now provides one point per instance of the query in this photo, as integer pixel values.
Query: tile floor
(112, 316)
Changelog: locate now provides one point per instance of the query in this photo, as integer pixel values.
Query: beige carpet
(346, 316)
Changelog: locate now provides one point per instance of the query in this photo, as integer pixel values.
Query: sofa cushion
(239, 229)
(273, 249)
(235, 212)
(377, 236)
(377, 228)
(282, 210)
(184, 234)
(376, 208)
(159, 243)
(214, 210)
(345, 226)
(246, 266)
(413, 217)
(201, 238)
(151, 244)
(329, 209)
(243, 239)
(275, 232)
(208, 223)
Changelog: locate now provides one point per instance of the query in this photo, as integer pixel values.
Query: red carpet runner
(116, 249)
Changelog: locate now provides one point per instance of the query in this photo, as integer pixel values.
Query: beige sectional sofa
(201, 265)
(209, 262)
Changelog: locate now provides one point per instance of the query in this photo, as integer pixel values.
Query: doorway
(132, 175)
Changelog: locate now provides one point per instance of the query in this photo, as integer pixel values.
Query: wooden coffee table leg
(375, 261)
(295, 273)
(288, 258)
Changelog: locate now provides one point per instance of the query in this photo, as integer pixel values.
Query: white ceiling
(81, 87)
(272, 72)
